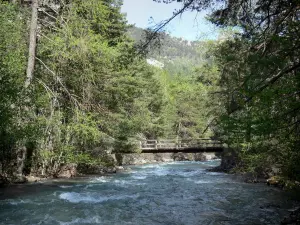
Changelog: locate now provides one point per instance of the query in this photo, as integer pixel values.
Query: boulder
(86, 169)
(110, 170)
(20, 179)
(137, 159)
(91, 169)
(33, 179)
(200, 157)
(120, 168)
(275, 181)
(180, 157)
(67, 171)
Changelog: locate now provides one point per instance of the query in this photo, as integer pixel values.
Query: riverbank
(269, 175)
(116, 163)
(149, 158)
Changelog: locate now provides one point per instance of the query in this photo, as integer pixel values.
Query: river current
(179, 193)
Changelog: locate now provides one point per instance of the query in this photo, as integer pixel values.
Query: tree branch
(161, 26)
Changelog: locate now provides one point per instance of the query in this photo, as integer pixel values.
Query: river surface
(177, 193)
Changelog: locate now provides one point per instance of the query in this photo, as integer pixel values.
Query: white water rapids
(180, 193)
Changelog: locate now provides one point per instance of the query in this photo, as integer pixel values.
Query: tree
(88, 89)
(13, 49)
(258, 84)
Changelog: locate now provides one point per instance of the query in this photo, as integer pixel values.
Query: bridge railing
(179, 144)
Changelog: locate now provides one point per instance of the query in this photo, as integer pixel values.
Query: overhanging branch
(162, 25)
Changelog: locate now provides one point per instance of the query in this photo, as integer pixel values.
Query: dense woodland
(75, 84)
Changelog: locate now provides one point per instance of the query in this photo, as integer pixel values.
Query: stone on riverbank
(145, 158)
(33, 179)
(67, 171)
(90, 169)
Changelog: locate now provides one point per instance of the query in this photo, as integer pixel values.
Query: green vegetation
(91, 92)
(252, 77)
(87, 90)
(260, 85)
(256, 102)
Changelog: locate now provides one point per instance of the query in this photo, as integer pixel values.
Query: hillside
(177, 54)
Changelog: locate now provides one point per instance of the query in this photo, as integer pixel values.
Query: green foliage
(90, 94)
(184, 99)
(178, 55)
(91, 79)
(258, 86)
(14, 129)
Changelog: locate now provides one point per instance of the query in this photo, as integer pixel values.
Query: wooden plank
(179, 144)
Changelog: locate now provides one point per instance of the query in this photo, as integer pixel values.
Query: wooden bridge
(181, 145)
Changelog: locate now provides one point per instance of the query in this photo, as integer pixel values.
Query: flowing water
(171, 193)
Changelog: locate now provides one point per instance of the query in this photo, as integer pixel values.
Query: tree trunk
(32, 43)
(22, 150)
(21, 157)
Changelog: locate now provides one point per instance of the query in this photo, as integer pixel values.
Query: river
(179, 193)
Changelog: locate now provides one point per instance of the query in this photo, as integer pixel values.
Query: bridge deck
(181, 145)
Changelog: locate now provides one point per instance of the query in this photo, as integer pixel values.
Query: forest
(75, 84)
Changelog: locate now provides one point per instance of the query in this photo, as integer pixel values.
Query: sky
(190, 26)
